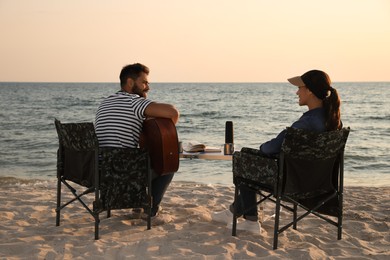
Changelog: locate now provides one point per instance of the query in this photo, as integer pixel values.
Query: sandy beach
(28, 231)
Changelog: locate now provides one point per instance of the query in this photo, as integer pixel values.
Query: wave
(210, 115)
(20, 182)
(379, 118)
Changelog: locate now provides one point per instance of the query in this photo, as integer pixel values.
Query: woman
(315, 92)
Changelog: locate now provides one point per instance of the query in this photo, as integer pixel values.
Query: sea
(259, 111)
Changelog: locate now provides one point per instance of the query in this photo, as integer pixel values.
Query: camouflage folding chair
(308, 174)
(119, 178)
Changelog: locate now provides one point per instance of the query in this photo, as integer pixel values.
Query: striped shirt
(119, 120)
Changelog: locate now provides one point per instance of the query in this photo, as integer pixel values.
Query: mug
(180, 147)
(228, 149)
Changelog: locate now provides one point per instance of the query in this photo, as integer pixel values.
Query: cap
(316, 81)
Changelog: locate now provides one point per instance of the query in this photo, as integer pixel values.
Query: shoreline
(28, 228)
(179, 179)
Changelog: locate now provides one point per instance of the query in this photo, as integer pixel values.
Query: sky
(194, 40)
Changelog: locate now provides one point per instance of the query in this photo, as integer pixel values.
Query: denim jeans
(159, 187)
(246, 203)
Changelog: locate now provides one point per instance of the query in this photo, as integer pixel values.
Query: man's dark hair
(132, 71)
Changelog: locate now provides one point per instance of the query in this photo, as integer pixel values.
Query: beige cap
(297, 81)
(316, 81)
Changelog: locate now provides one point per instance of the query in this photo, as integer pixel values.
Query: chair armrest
(258, 152)
(252, 165)
(251, 151)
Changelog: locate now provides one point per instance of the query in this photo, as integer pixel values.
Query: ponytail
(332, 110)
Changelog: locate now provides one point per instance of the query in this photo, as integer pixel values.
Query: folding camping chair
(308, 174)
(119, 178)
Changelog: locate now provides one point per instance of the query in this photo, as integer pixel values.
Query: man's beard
(137, 90)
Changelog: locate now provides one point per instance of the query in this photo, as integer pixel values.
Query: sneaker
(136, 213)
(250, 226)
(137, 210)
(144, 214)
(225, 216)
(161, 219)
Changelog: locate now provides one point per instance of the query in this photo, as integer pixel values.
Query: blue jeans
(246, 203)
(159, 187)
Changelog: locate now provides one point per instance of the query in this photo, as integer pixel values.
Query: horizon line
(180, 82)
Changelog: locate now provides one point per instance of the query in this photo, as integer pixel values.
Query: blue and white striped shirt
(119, 120)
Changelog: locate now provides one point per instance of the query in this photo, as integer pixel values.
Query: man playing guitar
(120, 119)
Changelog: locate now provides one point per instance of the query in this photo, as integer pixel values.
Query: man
(120, 117)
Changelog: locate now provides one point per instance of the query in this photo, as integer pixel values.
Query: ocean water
(28, 139)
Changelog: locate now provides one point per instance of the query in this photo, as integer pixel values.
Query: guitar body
(159, 137)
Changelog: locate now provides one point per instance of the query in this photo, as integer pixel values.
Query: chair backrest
(77, 153)
(124, 178)
(311, 163)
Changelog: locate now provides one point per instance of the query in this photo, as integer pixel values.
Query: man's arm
(162, 110)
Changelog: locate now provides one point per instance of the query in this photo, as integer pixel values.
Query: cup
(228, 149)
(180, 147)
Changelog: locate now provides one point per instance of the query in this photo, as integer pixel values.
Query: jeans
(159, 187)
(246, 203)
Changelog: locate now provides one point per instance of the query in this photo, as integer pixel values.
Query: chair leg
(234, 227)
(150, 197)
(97, 222)
(340, 217)
(58, 209)
(295, 216)
(149, 220)
(97, 206)
(339, 231)
(276, 227)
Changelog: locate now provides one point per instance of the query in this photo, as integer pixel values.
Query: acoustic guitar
(159, 137)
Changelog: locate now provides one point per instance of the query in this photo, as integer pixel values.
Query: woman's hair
(331, 105)
(319, 84)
